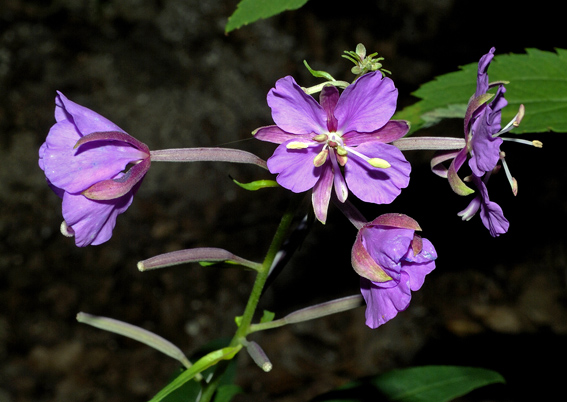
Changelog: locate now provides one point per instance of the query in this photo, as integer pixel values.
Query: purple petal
(392, 131)
(83, 118)
(367, 104)
(295, 167)
(76, 170)
(485, 149)
(277, 135)
(384, 304)
(322, 192)
(387, 246)
(293, 110)
(420, 265)
(376, 185)
(482, 75)
(493, 218)
(93, 221)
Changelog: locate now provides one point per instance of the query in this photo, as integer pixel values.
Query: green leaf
(225, 393)
(537, 79)
(200, 365)
(416, 384)
(249, 11)
(434, 383)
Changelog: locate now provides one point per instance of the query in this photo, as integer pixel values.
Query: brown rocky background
(165, 72)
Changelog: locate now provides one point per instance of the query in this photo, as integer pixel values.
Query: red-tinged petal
(397, 221)
(112, 136)
(115, 188)
(365, 265)
(277, 135)
(328, 99)
(437, 162)
(322, 192)
(392, 131)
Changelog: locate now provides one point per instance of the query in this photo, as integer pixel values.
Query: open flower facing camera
(349, 141)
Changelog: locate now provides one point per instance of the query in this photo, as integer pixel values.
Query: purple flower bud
(94, 166)
(389, 248)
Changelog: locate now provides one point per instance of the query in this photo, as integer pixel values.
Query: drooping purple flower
(347, 131)
(94, 166)
(392, 261)
(491, 214)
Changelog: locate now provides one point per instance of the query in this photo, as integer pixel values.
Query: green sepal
(318, 73)
(257, 184)
(267, 316)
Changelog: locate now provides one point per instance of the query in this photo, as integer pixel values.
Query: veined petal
(393, 130)
(277, 135)
(293, 110)
(379, 186)
(384, 304)
(93, 221)
(295, 167)
(84, 119)
(322, 192)
(75, 170)
(367, 104)
(485, 149)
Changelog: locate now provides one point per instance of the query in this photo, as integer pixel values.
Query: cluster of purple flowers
(341, 144)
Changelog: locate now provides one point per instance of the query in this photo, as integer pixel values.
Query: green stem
(261, 277)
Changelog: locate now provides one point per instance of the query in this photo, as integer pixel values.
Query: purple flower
(94, 166)
(491, 214)
(392, 261)
(347, 131)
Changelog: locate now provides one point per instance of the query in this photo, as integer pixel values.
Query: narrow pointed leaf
(200, 365)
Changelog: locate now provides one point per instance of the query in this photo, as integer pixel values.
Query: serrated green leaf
(249, 11)
(537, 79)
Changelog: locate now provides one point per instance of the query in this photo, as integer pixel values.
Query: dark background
(165, 72)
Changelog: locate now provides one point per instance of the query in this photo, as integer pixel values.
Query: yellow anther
(342, 159)
(537, 144)
(297, 145)
(341, 151)
(379, 163)
(321, 138)
(321, 158)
